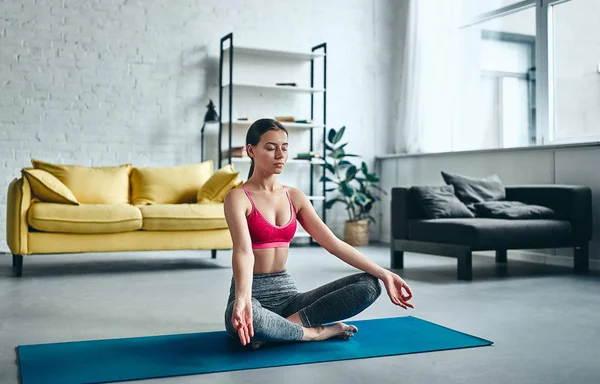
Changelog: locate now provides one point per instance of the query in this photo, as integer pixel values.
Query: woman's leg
(334, 301)
(268, 326)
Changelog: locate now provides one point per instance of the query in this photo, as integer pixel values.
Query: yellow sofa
(74, 209)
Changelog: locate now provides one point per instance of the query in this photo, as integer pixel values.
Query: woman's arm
(321, 233)
(243, 258)
(397, 289)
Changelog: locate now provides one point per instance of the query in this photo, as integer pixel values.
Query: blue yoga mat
(99, 361)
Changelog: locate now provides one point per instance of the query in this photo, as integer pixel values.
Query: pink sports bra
(266, 235)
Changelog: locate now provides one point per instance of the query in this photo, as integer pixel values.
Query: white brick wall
(104, 82)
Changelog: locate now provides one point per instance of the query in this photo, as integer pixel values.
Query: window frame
(544, 69)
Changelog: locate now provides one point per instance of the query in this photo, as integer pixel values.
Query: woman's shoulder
(235, 196)
(297, 196)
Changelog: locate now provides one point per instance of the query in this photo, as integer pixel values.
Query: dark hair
(255, 132)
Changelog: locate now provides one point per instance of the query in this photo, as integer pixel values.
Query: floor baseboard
(541, 258)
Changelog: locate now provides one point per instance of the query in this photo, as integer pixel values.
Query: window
(497, 96)
(530, 70)
(574, 71)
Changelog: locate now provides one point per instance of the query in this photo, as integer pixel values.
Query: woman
(264, 304)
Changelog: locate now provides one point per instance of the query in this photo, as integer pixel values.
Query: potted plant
(355, 188)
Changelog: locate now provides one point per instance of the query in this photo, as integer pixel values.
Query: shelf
(246, 124)
(290, 161)
(316, 197)
(292, 55)
(278, 88)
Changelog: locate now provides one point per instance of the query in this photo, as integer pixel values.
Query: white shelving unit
(277, 88)
(228, 85)
(274, 53)
(290, 161)
(244, 124)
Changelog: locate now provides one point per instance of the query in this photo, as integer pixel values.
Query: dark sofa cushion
(439, 202)
(512, 210)
(487, 234)
(475, 190)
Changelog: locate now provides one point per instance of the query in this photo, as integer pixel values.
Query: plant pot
(356, 233)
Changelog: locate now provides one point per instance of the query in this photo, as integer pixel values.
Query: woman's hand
(242, 319)
(394, 286)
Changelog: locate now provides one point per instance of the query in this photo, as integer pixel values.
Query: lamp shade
(211, 115)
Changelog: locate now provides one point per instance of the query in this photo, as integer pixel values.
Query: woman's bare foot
(339, 330)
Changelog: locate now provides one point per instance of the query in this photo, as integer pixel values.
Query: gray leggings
(275, 297)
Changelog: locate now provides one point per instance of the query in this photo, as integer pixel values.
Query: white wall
(104, 82)
(535, 165)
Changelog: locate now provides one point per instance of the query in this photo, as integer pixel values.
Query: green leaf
(361, 199)
(346, 189)
(350, 173)
(331, 135)
(330, 189)
(344, 162)
(364, 168)
(372, 178)
(330, 203)
(326, 179)
(372, 219)
(329, 147)
(350, 155)
(330, 168)
(337, 154)
(338, 136)
(343, 145)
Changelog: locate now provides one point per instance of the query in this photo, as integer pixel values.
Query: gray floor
(544, 320)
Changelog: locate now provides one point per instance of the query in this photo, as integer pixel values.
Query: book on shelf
(307, 156)
(236, 152)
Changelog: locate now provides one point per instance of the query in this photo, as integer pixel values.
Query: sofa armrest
(17, 206)
(403, 209)
(570, 202)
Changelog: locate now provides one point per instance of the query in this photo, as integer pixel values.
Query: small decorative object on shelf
(210, 116)
(307, 156)
(355, 187)
(285, 119)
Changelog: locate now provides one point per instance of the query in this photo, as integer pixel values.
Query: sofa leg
(17, 265)
(397, 261)
(213, 253)
(581, 258)
(465, 266)
(501, 256)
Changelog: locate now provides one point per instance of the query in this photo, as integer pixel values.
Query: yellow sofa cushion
(168, 185)
(92, 185)
(84, 218)
(48, 188)
(183, 217)
(221, 182)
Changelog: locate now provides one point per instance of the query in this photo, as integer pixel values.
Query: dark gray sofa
(572, 227)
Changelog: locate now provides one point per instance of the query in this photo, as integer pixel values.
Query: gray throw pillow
(438, 202)
(512, 210)
(472, 190)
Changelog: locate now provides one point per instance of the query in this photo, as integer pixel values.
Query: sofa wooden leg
(581, 258)
(397, 261)
(465, 266)
(501, 256)
(17, 265)
(213, 253)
